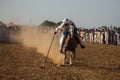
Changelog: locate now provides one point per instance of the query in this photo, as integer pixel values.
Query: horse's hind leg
(70, 58)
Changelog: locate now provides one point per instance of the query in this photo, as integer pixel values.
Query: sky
(84, 13)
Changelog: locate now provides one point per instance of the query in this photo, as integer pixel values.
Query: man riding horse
(65, 26)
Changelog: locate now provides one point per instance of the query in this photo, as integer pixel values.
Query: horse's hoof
(58, 65)
(62, 65)
(71, 64)
(68, 65)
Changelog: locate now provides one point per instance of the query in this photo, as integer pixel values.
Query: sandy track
(96, 62)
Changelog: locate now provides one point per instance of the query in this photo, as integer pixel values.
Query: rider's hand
(55, 32)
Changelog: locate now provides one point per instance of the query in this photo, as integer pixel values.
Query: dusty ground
(96, 62)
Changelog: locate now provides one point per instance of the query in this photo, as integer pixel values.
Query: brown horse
(70, 48)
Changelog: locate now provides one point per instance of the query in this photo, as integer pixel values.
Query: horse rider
(65, 26)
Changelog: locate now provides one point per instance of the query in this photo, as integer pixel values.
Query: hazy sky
(86, 13)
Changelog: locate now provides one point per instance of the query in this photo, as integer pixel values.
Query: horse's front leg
(70, 61)
(70, 58)
(65, 54)
(65, 50)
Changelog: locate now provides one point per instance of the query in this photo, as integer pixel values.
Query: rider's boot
(61, 51)
(82, 46)
(79, 41)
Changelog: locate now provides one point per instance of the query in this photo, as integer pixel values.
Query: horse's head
(71, 31)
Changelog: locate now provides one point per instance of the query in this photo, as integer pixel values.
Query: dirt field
(95, 62)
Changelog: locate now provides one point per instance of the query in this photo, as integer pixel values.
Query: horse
(70, 47)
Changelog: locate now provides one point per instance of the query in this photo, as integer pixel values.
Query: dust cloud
(36, 38)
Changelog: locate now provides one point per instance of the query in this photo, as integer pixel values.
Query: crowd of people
(110, 35)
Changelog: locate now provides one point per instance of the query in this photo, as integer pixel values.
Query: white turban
(66, 21)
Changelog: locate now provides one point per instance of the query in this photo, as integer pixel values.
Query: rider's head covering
(66, 21)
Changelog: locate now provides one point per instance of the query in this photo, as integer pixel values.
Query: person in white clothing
(65, 26)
